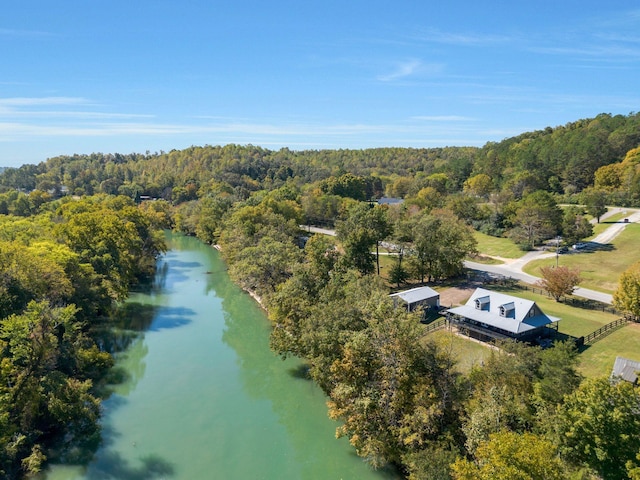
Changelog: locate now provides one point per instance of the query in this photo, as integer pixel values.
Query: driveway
(513, 268)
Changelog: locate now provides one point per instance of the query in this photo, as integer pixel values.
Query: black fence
(602, 332)
(436, 325)
(579, 302)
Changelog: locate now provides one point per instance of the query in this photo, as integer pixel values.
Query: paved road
(513, 268)
(525, 277)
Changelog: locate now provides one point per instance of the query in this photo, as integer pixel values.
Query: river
(204, 397)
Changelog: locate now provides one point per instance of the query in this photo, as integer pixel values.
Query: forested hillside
(70, 247)
(561, 160)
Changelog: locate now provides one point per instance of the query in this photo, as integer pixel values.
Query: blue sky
(80, 76)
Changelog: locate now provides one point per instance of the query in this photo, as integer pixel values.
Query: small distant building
(417, 297)
(390, 201)
(489, 315)
(625, 369)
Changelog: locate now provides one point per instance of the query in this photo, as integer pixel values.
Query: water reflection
(203, 396)
(285, 384)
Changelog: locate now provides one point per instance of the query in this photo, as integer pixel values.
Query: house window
(507, 309)
(482, 303)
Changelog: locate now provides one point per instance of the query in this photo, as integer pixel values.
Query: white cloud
(443, 118)
(466, 39)
(411, 68)
(10, 32)
(38, 101)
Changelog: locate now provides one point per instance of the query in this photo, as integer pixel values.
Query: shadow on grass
(592, 247)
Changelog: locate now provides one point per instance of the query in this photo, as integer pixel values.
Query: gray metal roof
(626, 369)
(520, 322)
(416, 294)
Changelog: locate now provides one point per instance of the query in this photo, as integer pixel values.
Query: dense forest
(78, 231)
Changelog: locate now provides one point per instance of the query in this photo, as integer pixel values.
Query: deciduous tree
(559, 281)
(363, 228)
(595, 202)
(599, 426)
(627, 297)
(479, 185)
(512, 456)
(393, 390)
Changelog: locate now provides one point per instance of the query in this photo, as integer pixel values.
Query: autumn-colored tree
(627, 296)
(479, 185)
(559, 281)
(633, 469)
(393, 390)
(512, 456)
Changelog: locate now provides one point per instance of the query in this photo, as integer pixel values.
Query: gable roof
(626, 369)
(517, 319)
(416, 294)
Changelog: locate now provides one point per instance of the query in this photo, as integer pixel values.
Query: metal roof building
(626, 369)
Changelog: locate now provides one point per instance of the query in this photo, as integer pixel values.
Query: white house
(490, 315)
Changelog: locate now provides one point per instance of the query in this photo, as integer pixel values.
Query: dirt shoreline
(253, 294)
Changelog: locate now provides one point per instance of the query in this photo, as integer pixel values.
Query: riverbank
(204, 396)
(253, 294)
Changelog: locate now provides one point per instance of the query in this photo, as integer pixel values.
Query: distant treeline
(69, 248)
(561, 160)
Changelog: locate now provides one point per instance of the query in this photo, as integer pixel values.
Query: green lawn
(498, 247)
(575, 322)
(599, 269)
(597, 359)
(467, 352)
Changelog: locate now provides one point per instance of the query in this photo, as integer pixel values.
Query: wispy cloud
(10, 32)
(39, 101)
(30, 107)
(442, 118)
(13, 129)
(461, 39)
(72, 114)
(608, 53)
(411, 68)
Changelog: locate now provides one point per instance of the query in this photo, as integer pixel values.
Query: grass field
(600, 269)
(575, 322)
(596, 359)
(467, 352)
(498, 247)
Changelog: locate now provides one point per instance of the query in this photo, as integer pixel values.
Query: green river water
(205, 398)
